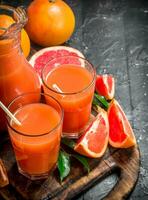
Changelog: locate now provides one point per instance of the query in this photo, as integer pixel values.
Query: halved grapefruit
(94, 141)
(121, 134)
(105, 86)
(42, 57)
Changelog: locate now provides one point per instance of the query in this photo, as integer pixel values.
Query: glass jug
(16, 74)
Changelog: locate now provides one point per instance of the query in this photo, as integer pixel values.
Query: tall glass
(16, 74)
(72, 84)
(36, 141)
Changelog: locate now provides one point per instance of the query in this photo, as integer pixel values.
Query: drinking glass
(71, 80)
(36, 141)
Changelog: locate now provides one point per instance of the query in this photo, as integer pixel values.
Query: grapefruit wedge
(94, 141)
(121, 134)
(105, 86)
(42, 57)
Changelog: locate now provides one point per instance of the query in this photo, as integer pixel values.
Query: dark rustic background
(113, 35)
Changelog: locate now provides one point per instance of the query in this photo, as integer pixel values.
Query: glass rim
(69, 93)
(14, 28)
(36, 135)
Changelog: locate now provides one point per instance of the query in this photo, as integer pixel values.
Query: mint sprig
(64, 159)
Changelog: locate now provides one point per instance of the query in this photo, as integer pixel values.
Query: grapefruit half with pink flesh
(105, 86)
(43, 56)
(94, 141)
(121, 134)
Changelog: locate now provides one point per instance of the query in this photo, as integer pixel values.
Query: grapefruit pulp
(42, 57)
(120, 132)
(94, 141)
(105, 86)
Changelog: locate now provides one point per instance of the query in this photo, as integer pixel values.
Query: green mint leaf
(102, 100)
(83, 160)
(63, 164)
(68, 142)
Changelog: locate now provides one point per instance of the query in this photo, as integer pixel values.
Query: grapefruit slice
(120, 132)
(42, 57)
(105, 86)
(94, 141)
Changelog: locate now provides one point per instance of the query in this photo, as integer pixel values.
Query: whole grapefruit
(50, 22)
(5, 22)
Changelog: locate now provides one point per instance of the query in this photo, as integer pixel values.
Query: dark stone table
(113, 35)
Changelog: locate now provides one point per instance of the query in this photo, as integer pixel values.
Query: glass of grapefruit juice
(71, 80)
(36, 141)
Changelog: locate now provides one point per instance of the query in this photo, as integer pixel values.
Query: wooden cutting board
(123, 162)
